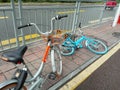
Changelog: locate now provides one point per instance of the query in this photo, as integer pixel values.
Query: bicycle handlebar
(24, 26)
(57, 17)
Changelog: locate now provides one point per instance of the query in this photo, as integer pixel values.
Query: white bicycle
(16, 56)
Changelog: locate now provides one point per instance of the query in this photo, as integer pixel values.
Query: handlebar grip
(58, 17)
(24, 26)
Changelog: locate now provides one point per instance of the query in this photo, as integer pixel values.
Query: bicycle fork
(52, 75)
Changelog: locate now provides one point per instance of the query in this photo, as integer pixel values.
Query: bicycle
(16, 57)
(73, 42)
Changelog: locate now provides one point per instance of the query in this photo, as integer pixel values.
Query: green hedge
(47, 0)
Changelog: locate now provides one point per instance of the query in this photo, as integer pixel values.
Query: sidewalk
(72, 65)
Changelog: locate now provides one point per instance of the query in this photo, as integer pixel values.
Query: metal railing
(12, 16)
(6, 24)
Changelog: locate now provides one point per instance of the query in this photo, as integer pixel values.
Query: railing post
(101, 15)
(14, 22)
(20, 18)
(75, 20)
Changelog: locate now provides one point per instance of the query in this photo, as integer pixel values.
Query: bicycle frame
(77, 43)
(37, 79)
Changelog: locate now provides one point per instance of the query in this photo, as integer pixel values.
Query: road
(106, 77)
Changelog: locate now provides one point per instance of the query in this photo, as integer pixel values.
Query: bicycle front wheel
(67, 50)
(56, 60)
(11, 86)
(96, 46)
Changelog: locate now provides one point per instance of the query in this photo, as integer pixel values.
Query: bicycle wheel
(96, 46)
(67, 50)
(11, 86)
(56, 60)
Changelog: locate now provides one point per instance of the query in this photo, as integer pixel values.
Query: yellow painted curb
(71, 85)
(13, 40)
(1, 17)
(67, 12)
(27, 37)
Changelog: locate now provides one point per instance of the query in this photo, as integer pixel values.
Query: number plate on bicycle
(17, 73)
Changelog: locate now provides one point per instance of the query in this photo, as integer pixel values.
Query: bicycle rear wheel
(67, 50)
(11, 86)
(96, 46)
(56, 60)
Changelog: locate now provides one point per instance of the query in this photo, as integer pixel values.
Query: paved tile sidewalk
(70, 63)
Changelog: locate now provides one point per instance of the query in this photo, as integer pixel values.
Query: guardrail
(6, 24)
(9, 17)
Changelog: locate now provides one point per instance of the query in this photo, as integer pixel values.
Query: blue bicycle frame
(77, 43)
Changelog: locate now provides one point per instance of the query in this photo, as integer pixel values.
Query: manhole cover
(116, 34)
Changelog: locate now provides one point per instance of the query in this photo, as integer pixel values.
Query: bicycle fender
(7, 83)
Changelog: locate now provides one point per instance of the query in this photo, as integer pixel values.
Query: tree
(118, 1)
(4, 0)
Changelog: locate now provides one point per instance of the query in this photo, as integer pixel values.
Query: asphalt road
(106, 77)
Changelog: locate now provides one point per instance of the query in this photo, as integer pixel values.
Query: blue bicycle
(73, 42)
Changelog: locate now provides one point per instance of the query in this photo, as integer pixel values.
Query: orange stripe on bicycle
(46, 53)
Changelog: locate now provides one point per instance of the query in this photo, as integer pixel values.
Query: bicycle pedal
(52, 76)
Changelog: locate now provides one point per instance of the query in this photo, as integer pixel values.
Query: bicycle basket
(71, 36)
(55, 37)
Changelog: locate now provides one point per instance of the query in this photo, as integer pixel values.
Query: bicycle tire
(90, 45)
(67, 50)
(56, 60)
(11, 87)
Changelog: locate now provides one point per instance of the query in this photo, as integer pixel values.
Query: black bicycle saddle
(15, 56)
